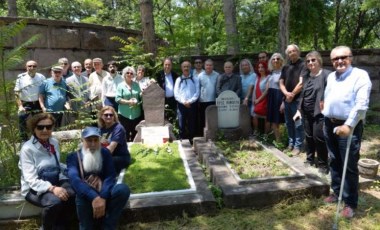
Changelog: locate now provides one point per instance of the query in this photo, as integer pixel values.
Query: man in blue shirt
(53, 95)
(186, 92)
(104, 204)
(346, 99)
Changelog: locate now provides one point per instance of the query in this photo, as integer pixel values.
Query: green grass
(249, 160)
(156, 169)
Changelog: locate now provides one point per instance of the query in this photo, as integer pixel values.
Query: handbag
(50, 173)
(93, 180)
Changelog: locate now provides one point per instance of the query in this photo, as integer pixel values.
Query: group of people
(323, 106)
(87, 186)
(80, 91)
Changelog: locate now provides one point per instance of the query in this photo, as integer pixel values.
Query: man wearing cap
(109, 85)
(53, 95)
(105, 205)
(26, 91)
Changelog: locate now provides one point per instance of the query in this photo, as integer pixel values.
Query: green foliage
(198, 27)
(156, 169)
(10, 59)
(10, 174)
(8, 132)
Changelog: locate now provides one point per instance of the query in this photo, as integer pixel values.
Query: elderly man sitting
(95, 201)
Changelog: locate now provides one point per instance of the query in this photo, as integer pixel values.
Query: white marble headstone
(228, 104)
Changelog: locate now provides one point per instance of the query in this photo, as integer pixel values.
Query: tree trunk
(12, 8)
(229, 9)
(147, 22)
(283, 24)
(337, 23)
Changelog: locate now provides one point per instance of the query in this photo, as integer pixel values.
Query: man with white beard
(96, 208)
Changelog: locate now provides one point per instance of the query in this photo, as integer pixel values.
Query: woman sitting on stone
(114, 137)
(42, 181)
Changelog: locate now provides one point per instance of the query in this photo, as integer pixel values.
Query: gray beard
(92, 161)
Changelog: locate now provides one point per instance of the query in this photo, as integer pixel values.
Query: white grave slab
(228, 104)
(157, 135)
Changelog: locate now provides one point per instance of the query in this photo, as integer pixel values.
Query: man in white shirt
(109, 85)
(26, 92)
(95, 82)
(186, 92)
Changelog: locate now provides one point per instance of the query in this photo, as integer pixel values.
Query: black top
(291, 74)
(161, 78)
(312, 92)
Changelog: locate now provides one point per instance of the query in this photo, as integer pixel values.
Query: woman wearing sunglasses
(310, 107)
(42, 181)
(114, 137)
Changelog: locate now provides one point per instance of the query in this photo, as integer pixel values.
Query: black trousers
(315, 139)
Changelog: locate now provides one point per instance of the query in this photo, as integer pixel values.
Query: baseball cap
(57, 68)
(90, 131)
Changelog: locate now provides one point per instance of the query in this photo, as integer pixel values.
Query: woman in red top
(260, 99)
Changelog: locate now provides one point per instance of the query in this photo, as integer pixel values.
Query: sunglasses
(340, 58)
(311, 60)
(57, 71)
(30, 66)
(108, 114)
(42, 127)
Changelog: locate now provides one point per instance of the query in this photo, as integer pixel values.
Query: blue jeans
(337, 150)
(295, 134)
(56, 213)
(114, 207)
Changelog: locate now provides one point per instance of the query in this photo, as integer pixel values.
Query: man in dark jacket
(104, 204)
(166, 79)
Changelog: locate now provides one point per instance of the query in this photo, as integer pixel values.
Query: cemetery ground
(298, 212)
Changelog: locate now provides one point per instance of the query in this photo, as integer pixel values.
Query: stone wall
(76, 41)
(367, 59)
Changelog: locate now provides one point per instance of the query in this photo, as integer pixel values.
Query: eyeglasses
(108, 114)
(311, 60)
(42, 127)
(131, 73)
(340, 58)
(276, 59)
(30, 66)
